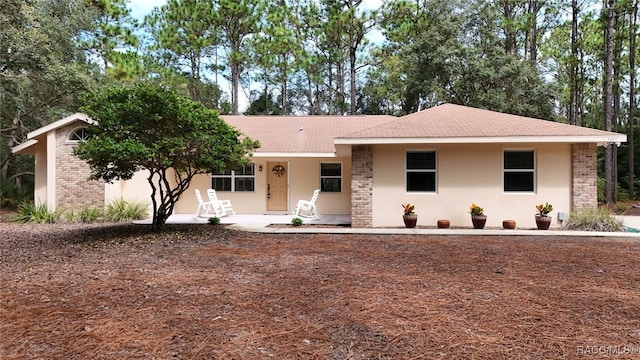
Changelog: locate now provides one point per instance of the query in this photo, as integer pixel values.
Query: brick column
(74, 189)
(584, 187)
(361, 186)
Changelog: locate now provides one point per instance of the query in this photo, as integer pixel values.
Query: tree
(186, 38)
(608, 99)
(173, 138)
(41, 71)
(238, 19)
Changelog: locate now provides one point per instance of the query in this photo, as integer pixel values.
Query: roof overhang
(25, 148)
(600, 140)
(294, 155)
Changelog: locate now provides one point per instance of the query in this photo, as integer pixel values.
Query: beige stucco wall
(40, 169)
(466, 174)
(303, 176)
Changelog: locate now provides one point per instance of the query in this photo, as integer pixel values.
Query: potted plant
(409, 217)
(478, 218)
(543, 220)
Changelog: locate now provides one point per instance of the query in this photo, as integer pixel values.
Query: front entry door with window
(277, 176)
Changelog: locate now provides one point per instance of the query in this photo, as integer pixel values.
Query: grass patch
(121, 210)
(30, 212)
(601, 219)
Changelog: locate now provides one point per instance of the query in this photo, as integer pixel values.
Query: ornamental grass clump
(121, 210)
(30, 212)
(600, 219)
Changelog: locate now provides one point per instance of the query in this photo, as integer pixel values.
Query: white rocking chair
(308, 208)
(202, 206)
(221, 207)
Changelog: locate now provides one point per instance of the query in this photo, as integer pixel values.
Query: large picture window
(519, 171)
(243, 179)
(421, 171)
(331, 177)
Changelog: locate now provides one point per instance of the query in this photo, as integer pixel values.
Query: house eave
(26, 148)
(294, 155)
(600, 140)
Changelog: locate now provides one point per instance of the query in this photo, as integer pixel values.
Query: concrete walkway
(260, 223)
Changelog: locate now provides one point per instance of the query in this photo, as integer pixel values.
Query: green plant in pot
(409, 217)
(478, 218)
(543, 220)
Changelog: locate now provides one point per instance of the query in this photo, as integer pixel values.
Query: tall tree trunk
(573, 72)
(633, 17)
(617, 63)
(608, 99)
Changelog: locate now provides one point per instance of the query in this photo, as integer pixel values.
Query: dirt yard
(202, 292)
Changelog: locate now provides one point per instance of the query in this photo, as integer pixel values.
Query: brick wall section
(584, 192)
(73, 189)
(361, 186)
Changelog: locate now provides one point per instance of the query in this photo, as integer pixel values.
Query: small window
(243, 179)
(519, 171)
(331, 177)
(421, 171)
(80, 134)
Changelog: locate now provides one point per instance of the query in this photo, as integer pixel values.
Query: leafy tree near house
(150, 128)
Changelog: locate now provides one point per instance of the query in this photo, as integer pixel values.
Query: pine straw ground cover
(202, 292)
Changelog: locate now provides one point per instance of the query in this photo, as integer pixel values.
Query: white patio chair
(221, 207)
(308, 208)
(202, 205)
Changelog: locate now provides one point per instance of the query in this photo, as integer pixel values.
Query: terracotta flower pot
(509, 224)
(443, 224)
(543, 222)
(410, 220)
(478, 221)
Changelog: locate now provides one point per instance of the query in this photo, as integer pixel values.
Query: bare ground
(202, 292)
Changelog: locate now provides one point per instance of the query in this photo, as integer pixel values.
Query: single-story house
(440, 159)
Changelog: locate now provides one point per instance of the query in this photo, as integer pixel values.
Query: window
(330, 177)
(421, 171)
(519, 171)
(80, 134)
(243, 179)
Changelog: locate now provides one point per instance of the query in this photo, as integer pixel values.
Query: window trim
(434, 171)
(74, 131)
(232, 175)
(341, 176)
(534, 171)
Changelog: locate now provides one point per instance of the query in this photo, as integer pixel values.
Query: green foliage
(296, 221)
(600, 219)
(122, 211)
(90, 214)
(148, 127)
(29, 212)
(214, 220)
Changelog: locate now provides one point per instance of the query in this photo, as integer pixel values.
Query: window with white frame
(519, 171)
(79, 134)
(330, 177)
(243, 179)
(421, 171)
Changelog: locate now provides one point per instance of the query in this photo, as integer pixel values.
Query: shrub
(122, 210)
(214, 220)
(90, 214)
(29, 212)
(594, 220)
(296, 221)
